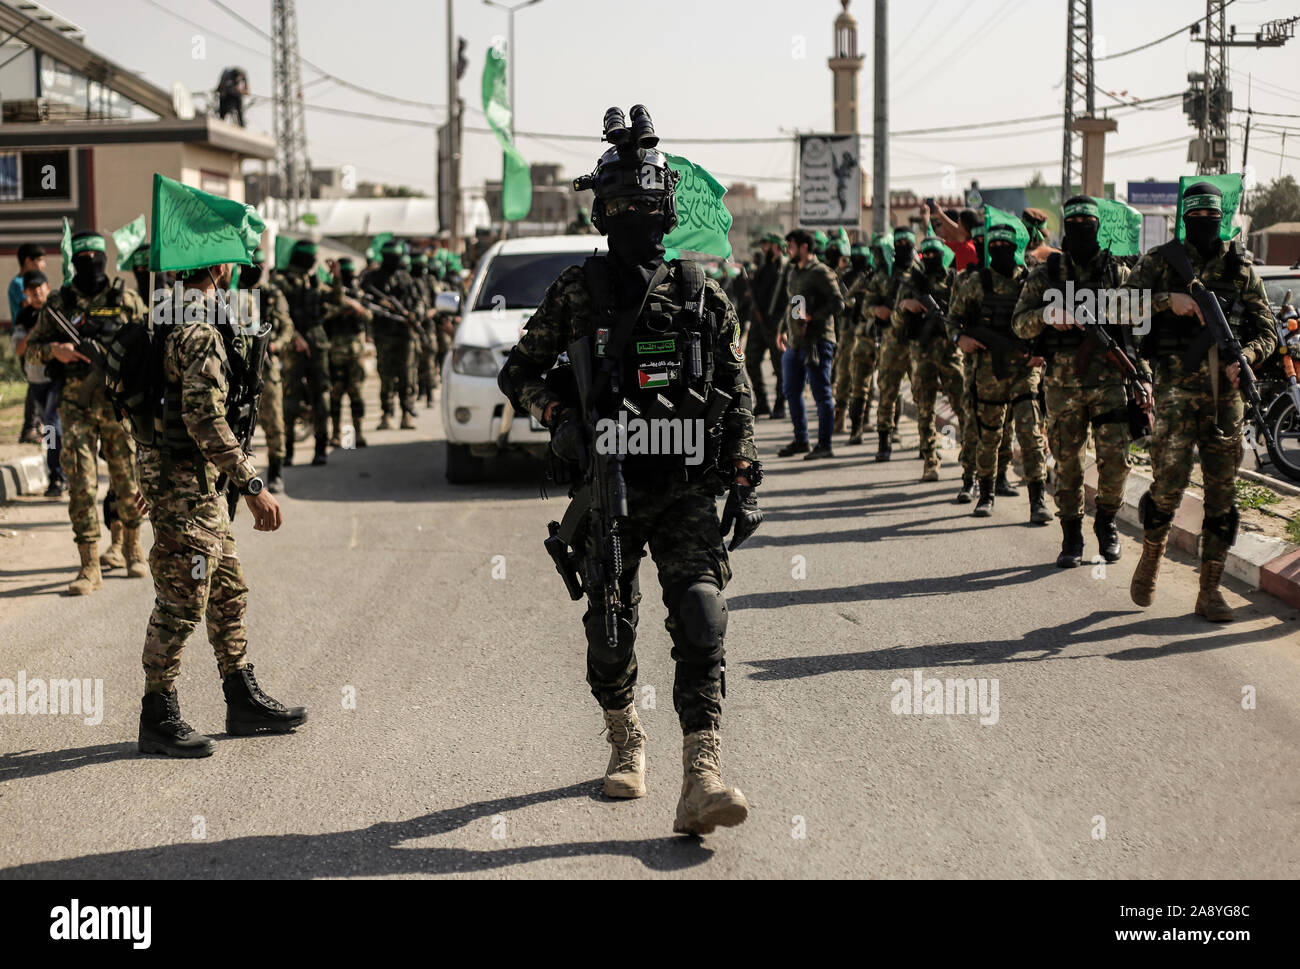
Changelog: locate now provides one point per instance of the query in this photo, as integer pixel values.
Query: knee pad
(697, 623)
(1223, 526)
(606, 661)
(1152, 517)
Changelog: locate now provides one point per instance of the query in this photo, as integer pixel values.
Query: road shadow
(377, 851)
(990, 579)
(1183, 634)
(28, 763)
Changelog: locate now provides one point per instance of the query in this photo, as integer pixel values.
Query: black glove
(741, 510)
(568, 438)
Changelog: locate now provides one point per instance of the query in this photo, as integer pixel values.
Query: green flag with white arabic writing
(516, 180)
(193, 229)
(702, 217)
(128, 239)
(994, 217)
(1121, 228)
(65, 250)
(1230, 185)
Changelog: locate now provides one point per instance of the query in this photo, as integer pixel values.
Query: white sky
(720, 69)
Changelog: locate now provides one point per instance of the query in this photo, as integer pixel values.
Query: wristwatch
(254, 486)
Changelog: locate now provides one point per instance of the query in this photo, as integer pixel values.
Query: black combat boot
(778, 409)
(1003, 488)
(793, 448)
(162, 731)
(1038, 513)
(1071, 543)
(319, 458)
(274, 483)
(886, 448)
(288, 447)
(249, 710)
(985, 506)
(1107, 536)
(856, 406)
(967, 493)
(760, 406)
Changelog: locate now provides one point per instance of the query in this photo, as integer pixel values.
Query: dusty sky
(724, 69)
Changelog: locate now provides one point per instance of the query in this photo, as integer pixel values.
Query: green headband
(347, 263)
(977, 232)
(905, 235)
(88, 244)
(1193, 202)
(394, 249)
(140, 258)
(420, 259)
(932, 244)
(1000, 233)
(1086, 209)
(309, 248)
(860, 251)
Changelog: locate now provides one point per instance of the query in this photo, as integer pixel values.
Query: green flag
(376, 244)
(1121, 228)
(993, 217)
(193, 229)
(516, 182)
(128, 239)
(283, 248)
(1229, 185)
(65, 250)
(702, 217)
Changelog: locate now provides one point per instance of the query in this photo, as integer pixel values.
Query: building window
(218, 183)
(35, 176)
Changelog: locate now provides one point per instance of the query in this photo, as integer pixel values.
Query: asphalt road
(1121, 747)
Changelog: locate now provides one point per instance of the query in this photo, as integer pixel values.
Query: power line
(1158, 40)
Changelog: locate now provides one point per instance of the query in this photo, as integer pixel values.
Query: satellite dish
(182, 101)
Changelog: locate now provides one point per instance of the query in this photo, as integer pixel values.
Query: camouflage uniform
(936, 362)
(1083, 389)
(396, 341)
(1188, 415)
(271, 407)
(760, 342)
(893, 359)
(995, 399)
(853, 282)
(865, 347)
(90, 424)
(677, 517)
(195, 565)
(307, 383)
(346, 328)
(427, 287)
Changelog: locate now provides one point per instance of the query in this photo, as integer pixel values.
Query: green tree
(1279, 201)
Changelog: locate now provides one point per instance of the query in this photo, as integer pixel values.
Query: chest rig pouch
(1052, 340)
(1174, 334)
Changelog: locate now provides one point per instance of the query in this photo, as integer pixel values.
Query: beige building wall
(124, 185)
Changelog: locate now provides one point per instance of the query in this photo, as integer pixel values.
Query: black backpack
(133, 378)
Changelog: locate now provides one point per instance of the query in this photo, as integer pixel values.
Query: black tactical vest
(1054, 341)
(305, 299)
(92, 323)
(996, 310)
(1174, 334)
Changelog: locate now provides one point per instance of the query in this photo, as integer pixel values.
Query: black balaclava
(302, 261)
(933, 263)
(250, 276)
(636, 238)
(1203, 230)
(89, 261)
(1079, 232)
(1002, 258)
(860, 262)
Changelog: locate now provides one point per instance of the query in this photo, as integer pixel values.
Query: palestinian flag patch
(649, 381)
(736, 351)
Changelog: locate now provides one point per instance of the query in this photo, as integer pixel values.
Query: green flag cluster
(375, 252)
(448, 260)
(702, 217)
(128, 239)
(994, 217)
(193, 229)
(1120, 230)
(1230, 185)
(516, 180)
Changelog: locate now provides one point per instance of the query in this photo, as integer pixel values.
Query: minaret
(845, 66)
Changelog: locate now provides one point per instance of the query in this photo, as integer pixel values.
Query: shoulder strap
(1054, 267)
(1174, 254)
(986, 280)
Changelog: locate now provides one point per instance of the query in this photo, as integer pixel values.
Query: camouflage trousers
(426, 377)
(999, 403)
(1187, 417)
(679, 522)
(196, 576)
(270, 412)
(307, 385)
(442, 341)
(1071, 410)
(88, 430)
(760, 348)
(937, 365)
(862, 366)
(893, 363)
(395, 360)
(347, 374)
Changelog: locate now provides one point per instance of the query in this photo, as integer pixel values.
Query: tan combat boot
(931, 471)
(111, 557)
(407, 424)
(1142, 590)
(625, 775)
(137, 565)
(1210, 603)
(89, 578)
(706, 802)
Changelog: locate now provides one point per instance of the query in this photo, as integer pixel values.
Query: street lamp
(510, 53)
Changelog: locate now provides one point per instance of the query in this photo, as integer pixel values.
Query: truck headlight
(474, 361)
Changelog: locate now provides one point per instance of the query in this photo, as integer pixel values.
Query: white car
(508, 285)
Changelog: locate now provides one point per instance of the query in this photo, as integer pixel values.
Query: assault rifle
(243, 402)
(932, 318)
(90, 348)
(1002, 347)
(1139, 417)
(391, 308)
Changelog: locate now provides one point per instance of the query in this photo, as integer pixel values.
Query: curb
(24, 476)
(1265, 564)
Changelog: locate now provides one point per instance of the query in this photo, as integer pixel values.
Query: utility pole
(1080, 99)
(449, 146)
(880, 129)
(287, 112)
